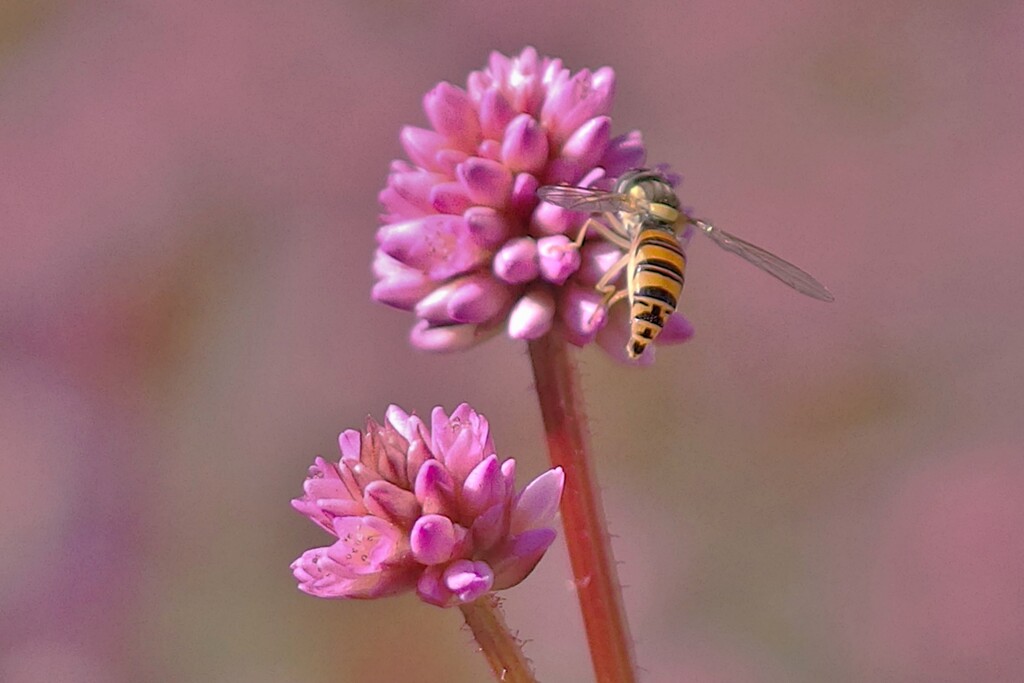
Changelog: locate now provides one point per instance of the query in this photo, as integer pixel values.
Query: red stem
(586, 533)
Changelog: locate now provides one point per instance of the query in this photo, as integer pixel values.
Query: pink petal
(581, 311)
(411, 186)
(525, 145)
(488, 227)
(325, 496)
(350, 444)
(508, 471)
(355, 489)
(498, 65)
(597, 177)
(463, 455)
(480, 300)
(623, 153)
(445, 429)
(487, 182)
(495, 114)
(362, 474)
(400, 421)
(520, 557)
(391, 581)
(323, 480)
(560, 98)
(558, 258)
(549, 219)
(321, 576)
(581, 151)
(418, 454)
(532, 315)
(489, 149)
(483, 487)
(431, 588)
(384, 499)
(537, 505)
(434, 489)
(677, 329)
(452, 114)
(490, 527)
(465, 418)
(339, 507)
(432, 539)
(448, 159)
(433, 307)
(468, 580)
(478, 84)
(587, 144)
(439, 245)
(578, 99)
(422, 146)
(472, 299)
(440, 430)
(516, 262)
(594, 100)
(448, 337)
(304, 568)
(397, 284)
(524, 87)
(450, 198)
(524, 194)
(314, 572)
(395, 209)
(389, 448)
(597, 258)
(364, 544)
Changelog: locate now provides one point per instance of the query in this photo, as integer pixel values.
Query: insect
(642, 216)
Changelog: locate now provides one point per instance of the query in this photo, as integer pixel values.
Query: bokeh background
(805, 492)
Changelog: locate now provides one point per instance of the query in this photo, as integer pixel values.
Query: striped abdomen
(656, 277)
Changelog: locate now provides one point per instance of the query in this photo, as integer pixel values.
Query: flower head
(421, 508)
(466, 245)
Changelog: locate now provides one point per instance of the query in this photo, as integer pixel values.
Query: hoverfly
(642, 216)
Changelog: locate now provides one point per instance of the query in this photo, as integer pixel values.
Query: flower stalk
(586, 533)
(501, 648)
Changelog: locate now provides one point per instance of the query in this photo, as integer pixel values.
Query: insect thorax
(655, 190)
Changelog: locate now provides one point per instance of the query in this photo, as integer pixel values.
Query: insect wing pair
(598, 201)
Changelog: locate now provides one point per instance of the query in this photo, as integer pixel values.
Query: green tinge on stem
(499, 646)
(586, 533)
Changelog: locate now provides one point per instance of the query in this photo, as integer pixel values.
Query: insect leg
(612, 234)
(611, 295)
(615, 235)
(615, 297)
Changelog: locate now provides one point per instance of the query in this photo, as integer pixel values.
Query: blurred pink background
(803, 493)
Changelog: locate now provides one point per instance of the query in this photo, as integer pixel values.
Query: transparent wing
(585, 199)
(785, 271)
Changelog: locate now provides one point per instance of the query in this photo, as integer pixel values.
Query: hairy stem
(586, 533)
(499, 646)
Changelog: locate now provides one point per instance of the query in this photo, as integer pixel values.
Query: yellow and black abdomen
(656, 269)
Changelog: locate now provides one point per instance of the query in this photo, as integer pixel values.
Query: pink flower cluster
(421, 508)
(464, 243)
